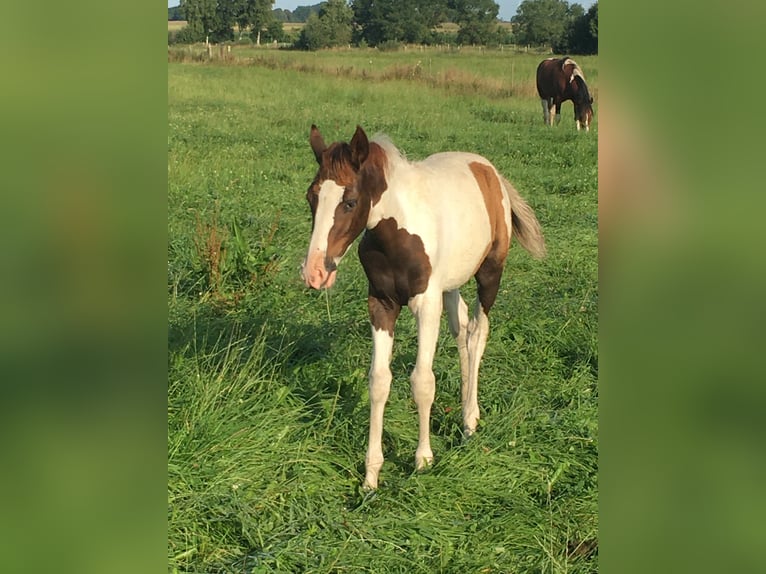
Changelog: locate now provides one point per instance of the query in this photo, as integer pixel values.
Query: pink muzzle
(315, 274)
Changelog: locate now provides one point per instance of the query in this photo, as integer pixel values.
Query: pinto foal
(428, 227)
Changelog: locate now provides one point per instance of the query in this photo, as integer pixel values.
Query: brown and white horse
(559, 80)
(428, 227)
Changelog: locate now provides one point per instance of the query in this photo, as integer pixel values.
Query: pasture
(267, 381)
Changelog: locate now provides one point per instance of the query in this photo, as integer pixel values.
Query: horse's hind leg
(547, 104)
(457, 315)
(488, 283)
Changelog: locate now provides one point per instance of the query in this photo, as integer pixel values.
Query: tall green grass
(267, 398)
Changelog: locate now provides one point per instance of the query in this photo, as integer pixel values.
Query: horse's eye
(349, 205)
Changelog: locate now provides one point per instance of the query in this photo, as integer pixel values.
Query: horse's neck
(397, 201)
(388, 206)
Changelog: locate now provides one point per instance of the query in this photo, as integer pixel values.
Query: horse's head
(339, 205)
(583, 104)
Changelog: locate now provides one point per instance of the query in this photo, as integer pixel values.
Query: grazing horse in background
(559, 80)
(428, 227)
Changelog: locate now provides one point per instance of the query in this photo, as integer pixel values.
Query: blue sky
(507, 7)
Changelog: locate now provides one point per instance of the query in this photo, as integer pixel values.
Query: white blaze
(313, 269)
(330, 195)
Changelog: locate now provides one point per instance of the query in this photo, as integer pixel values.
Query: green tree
(254, 14)
(275, 32)
(210, 20)
(333, 26)
(174, 13)
(477, 20)
(302, 13)
(408, 21)
(542, 21)
(582, 34)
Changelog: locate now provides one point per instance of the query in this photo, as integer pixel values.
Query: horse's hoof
(424, 463)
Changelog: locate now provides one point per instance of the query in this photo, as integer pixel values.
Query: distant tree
(253, 14)
(477, 20)
(302, 13)
(331, 27)
(574, 18)
(208, 20)
(542, 21)
(582, 32)
(591, 43)
(312, 34)
(408, 21)
(281, 15)
(274, 32)
(175, 13)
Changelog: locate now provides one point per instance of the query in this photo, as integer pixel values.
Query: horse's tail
(525, 226)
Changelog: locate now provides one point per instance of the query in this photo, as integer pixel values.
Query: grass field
(267, 399)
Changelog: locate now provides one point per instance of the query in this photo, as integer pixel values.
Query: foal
(428, 227)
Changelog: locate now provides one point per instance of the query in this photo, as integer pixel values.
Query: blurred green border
(83, 336)
(682, 282)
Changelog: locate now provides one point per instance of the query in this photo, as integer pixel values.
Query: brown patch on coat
(490, 270)
(372, 174)
(493, 201)
(383, 313)
(397, 268)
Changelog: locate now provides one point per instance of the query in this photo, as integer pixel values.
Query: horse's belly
(458, 263)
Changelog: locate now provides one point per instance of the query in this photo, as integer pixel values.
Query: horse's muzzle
(319, 271)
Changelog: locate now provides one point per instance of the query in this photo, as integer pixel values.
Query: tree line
(556, 23)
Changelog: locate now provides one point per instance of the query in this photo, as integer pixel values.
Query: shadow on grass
(324, 364)
(300, 353)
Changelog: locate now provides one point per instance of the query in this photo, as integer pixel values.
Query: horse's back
(548, 75)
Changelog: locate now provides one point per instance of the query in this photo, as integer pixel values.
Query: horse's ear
(317, 143)
(360, 147)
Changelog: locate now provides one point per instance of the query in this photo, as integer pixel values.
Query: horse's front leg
(558, 111)
(383, 315)
(427, 309)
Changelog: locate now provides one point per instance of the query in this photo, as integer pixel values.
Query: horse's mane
(576, 70)
(582, 93)
(393, 155)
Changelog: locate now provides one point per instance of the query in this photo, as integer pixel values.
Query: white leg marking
(546, 112)
(578, 125)
(380, 385)
(427, 309)
(478, 329)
